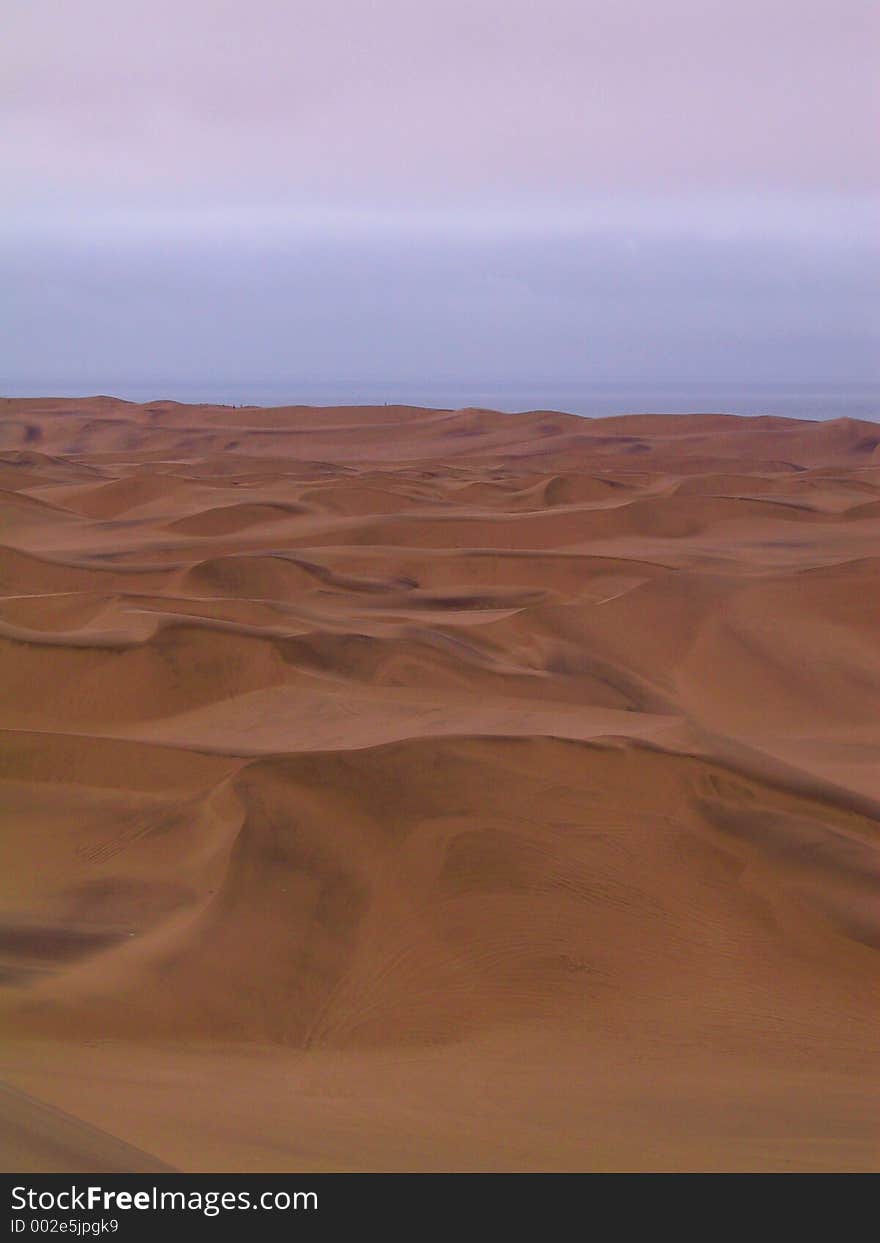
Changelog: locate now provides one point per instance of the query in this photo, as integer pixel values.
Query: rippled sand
(392, 789)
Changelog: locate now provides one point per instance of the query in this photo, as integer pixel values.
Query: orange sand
(393, 789)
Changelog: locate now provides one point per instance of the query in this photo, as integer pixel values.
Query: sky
(405, 191)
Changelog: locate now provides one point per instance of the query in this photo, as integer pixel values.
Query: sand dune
(42, 1139)
(421, 789)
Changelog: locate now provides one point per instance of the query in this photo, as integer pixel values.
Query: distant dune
(399, 789)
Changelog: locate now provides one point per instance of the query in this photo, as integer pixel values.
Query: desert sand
(396, 789)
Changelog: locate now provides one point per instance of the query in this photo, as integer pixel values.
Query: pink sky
(457, 187)
(353, 101)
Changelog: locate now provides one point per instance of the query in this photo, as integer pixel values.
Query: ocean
(857, 400)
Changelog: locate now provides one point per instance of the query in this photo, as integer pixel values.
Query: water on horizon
(858, 400)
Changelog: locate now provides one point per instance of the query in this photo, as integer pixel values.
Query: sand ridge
(461, 789)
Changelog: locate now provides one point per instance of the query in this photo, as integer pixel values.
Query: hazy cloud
(457, 186)
(356, 99)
